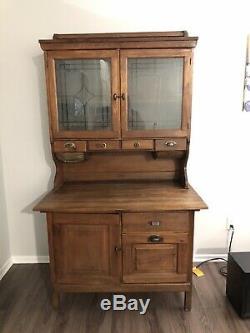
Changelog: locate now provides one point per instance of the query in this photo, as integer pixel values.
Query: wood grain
(113, 197)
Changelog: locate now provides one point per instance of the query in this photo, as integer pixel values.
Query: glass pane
(84, 94)
(155, 93)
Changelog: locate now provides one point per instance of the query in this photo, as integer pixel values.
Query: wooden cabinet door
(85, 248)
(82, 86)
(155, 258)
(156, 91)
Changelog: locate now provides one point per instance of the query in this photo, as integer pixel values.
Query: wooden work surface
(112, 197)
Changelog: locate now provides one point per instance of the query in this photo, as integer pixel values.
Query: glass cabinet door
(83, 85)
(155, 86)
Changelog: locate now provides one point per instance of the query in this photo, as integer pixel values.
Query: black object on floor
(238, 282)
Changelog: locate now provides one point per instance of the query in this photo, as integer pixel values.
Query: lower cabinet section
(85, 248)
(109, 252)
(150, 258)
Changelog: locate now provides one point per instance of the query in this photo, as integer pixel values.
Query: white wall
(219, 160)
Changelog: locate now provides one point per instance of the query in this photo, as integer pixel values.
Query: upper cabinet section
(81, 87)
(117, 86)
(155, 84)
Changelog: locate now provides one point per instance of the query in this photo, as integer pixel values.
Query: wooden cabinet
(85, 248)
(120, 216)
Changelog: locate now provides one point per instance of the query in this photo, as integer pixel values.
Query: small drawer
(171, 144)
(155, 237)
(144, 222)
(69, 146)
(138, 144)
(103, 145)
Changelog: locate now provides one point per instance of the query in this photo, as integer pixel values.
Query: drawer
(138, 144)
(171, 144)
(103, 145)
(154, 222)
(69, 146)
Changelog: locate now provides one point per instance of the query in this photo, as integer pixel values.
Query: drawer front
(103, 145)
(170, 221)
(138, 144)
(169, 144)
(155, 258)
(69, 146)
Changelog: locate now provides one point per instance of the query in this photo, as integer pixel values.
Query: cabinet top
(123, 40)
(112, 197)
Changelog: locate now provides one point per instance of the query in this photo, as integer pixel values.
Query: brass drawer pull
(136, 144)
(170, 143)
(155, 239)
(70, 145)
(155, 223)
(104, 145)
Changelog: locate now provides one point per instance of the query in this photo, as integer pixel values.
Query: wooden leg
(188, 301)
(55, 299)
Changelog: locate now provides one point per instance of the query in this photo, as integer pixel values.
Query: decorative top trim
(168, 39)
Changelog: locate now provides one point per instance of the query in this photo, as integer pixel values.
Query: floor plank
(25, 307)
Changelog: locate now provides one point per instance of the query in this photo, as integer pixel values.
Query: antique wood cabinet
(121, 215)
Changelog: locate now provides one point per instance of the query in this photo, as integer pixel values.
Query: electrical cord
(223, 269)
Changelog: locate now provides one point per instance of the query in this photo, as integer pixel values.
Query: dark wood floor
(25, 307)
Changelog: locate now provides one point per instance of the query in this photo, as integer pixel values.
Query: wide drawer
(170, 144)
(69, 146)
(138, 144)
(162, 221)
(103, 145)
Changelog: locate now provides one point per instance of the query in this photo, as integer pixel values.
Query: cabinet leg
(55, 299)
(188, 301)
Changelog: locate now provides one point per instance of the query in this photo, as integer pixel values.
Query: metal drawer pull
(70, 145)
(136, 144)
(155, 239)
(104, 145)
(171, 143)
(155, 223)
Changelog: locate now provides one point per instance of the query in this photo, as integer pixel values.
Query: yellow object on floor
(198, 272)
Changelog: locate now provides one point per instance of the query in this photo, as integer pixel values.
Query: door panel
(160, 258)
(85, 252)
(82, 84)
(155, 85)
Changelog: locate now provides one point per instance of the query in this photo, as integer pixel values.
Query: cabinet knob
(70, 145)
(115, 96)
(104, 145)
(122, 96)
(155, 239)
(118, 249)
(136, 144)
(171, 143)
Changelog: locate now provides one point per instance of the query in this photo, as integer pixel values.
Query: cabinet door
(156, 90)
(81, 86)
(85, 249)
(155, 258)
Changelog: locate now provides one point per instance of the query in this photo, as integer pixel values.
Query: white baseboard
(45, 259)
(203, 257)
(6, 266)
(30, 259)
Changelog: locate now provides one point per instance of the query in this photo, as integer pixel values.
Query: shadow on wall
(4, 231)
(59, 18)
